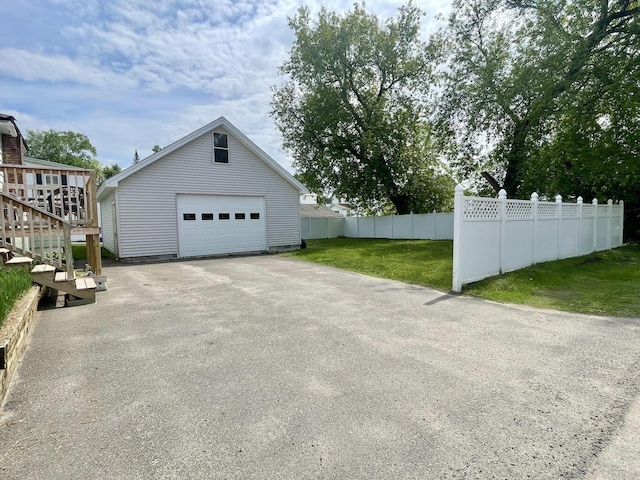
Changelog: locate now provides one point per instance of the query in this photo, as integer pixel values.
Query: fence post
(610, 223)
(594, 202)
(621, 203)
(392, 236)
(502, 198)
(458, 215)
(412, 225)
(580, 200)
(559, 213)
(534, 213)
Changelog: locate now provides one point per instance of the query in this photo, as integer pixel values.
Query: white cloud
(133, 73)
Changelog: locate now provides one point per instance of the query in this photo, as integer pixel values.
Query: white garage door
(214, 224)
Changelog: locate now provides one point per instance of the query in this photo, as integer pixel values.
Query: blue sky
(133, 73)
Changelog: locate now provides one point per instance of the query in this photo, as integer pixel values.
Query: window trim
(222, 149)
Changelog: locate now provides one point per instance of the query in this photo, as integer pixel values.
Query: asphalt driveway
(269, 368)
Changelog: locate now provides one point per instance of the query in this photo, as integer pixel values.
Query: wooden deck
(42, 207)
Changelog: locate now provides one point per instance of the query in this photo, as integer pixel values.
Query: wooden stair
(79, 291)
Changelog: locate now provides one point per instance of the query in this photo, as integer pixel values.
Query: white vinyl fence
(426, 226)
(496, 235)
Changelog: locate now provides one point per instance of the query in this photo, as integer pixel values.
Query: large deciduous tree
(351, 113)
(70, 148)
(543, 95)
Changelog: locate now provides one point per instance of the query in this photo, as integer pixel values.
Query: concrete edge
(14, 335)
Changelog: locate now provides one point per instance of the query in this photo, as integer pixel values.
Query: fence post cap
(534, 196)
(558, 198)
(459, 189)
(502, 193)
(580, 200)
(594, 201)
(609, 202)
(621, 202)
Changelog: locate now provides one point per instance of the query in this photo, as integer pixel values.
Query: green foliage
(80, 252)
(351, 113)
(541, 95)
(156, 148)
(111, 170)
(13, 283)
(70, 148)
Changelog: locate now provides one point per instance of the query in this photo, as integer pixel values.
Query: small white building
(212, 192)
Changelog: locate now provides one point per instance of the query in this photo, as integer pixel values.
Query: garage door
(215, 224)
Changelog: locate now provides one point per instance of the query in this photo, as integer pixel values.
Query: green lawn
(421, 262)
(79, 251)
(604, 283)
(13, 283)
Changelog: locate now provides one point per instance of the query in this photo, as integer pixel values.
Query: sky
(130, 74)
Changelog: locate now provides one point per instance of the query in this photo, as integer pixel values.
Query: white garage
(218, 224)
(213, 192)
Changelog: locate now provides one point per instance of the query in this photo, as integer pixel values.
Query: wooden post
(68, 251)
(93, 253)
(93, 241)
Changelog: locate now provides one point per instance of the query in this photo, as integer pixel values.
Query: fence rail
(35, 233)
(496, 235)
(66, 193)
(427, 226)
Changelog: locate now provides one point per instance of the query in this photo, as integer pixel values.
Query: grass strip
(13, 283)
(603, 283)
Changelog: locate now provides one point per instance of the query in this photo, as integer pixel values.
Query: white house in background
(309, 207)
(308, 199)
(212, 192)
(343, 208)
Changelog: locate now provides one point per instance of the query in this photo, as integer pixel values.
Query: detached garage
(213, 192)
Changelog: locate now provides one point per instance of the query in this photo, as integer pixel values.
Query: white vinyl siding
(106, 213)
(147, 199)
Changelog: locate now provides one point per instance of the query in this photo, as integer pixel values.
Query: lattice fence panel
(519, 210)
(569, 210)
(481, 209)
(547, 210)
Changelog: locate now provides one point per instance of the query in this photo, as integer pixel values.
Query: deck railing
(68, 194)
(35, 233)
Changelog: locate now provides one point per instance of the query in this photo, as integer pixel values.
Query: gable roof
(308, 210)
(220, 122)
(38, 162)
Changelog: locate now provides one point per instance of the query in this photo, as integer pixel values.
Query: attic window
(220, 148)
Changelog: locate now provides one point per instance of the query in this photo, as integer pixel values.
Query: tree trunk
(402, 203)
(515, 157)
